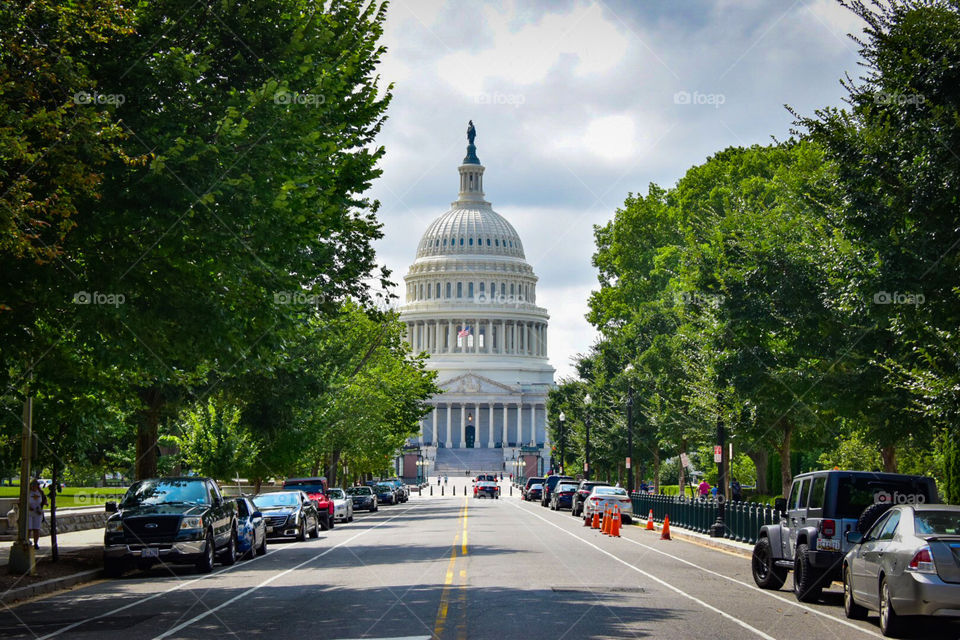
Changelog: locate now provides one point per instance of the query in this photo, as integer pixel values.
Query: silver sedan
(602, 497)
(342, 505)
(907, 564)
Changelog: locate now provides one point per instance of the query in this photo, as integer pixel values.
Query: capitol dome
(471, 306)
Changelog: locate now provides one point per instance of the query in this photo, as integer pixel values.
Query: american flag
(463, 333)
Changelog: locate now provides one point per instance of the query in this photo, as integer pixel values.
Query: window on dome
(503, 288)
(471, 242)
(469, 289)
(437, 295)
(461, 242)
(448, 289)
(420, 297)
(496, 242)
(488, 242)
(459, 289)
(512, 290)
(479, 242)
(482, 291)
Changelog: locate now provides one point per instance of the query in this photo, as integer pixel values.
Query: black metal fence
(742, 519)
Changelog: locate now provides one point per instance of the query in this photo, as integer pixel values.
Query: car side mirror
(854, 537)
(110, 507)
(256, 515)
(780, 504)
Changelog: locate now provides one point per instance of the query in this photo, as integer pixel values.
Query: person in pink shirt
(703, 488)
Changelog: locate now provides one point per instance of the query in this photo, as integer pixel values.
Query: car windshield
(359, 491)
(944, 523)
(337, 494)
(536, 487)
(610, 491)
(383, 488)
(567, 487)
(165, 491)
(283, 499)
(854, 494)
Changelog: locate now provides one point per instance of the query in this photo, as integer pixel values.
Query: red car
(316, 490)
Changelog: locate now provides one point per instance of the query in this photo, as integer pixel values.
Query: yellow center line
(441, 620)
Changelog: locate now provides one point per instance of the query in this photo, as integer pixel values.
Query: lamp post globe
(562, 417)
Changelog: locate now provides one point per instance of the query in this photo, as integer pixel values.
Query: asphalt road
(451, 567)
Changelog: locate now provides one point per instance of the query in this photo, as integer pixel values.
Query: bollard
(431, 490)
(441, 490)
(511, 490)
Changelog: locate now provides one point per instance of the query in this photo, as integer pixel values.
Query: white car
(602, 497)
(342, 505)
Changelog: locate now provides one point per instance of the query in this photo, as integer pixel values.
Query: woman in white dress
(35, 503)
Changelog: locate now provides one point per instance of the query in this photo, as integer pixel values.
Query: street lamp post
(628, 371)
(586, 459)
(716, 531)
(563, 441)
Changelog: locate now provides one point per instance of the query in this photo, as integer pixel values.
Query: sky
(577, 104)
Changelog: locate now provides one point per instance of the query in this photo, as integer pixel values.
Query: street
(451, 567)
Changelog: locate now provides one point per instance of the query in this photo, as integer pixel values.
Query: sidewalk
(740, 548)
(67, 542)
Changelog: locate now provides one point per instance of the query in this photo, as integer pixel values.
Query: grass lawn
(75, 496)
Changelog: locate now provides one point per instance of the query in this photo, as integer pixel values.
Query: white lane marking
(666, 584)
(276, 576)
(175, 587)
(403, 638)
(754, 587)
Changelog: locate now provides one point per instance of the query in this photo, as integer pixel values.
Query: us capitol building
(471, 303)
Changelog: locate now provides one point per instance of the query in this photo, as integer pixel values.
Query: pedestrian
(713, 491)
(703, 488)
(438, 481)
(446, 478)
(643, 486)
(36, 501)
(736, 491)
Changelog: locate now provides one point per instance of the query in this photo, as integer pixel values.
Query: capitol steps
(458, 461)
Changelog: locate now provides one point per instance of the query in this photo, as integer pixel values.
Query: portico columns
(490, 424)
(504, 436)
(463, 426)
(436, 434)
(449, 441)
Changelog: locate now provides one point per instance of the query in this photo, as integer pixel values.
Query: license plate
(150, 553)
(828, 545)
(269, 529)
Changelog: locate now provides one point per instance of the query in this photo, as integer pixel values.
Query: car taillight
(922, 562)
(595, 499)
(828, 528)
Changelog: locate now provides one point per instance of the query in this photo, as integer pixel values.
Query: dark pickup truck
(182, 520)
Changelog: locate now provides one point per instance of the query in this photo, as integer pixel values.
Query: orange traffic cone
(596, 520)
(607, 521)
(615, 524)
(665, 533)
(650, 521)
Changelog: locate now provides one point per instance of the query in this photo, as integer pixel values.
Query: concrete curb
(714, 543)
(49, 586)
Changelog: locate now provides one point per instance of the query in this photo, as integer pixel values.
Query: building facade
(471, 303)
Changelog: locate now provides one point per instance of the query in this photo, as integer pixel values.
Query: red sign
(628, 463)
(718, 453)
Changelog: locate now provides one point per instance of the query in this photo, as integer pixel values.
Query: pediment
(470, 383)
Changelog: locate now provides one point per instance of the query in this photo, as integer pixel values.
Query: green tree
(212, 440)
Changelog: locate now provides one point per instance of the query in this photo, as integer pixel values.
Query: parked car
(178, 520)
(602, 497)
(562, 496)
(386, 493)
(342, 505)
(251, 529)
(363, 498)
(289, 514)
(583, 492)
(533, 492)
(821, 508)
(401, 490)
(530, 482)
(486, 476)
(907, 564)
(486, 489)
(548, 486)
(316, 490)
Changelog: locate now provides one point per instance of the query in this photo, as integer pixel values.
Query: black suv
(177, 520)
(822, 507)
(548, 486)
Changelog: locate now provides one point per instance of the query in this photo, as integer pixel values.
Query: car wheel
(350, 518)
(850, 608)
(766, 573)
(315, 532)
(890, 622)
(302, 531)
(332, 521)
(807, 584)
(229, 555)
(870, 515)
(205, 564)
(113, 567)
(262, 549)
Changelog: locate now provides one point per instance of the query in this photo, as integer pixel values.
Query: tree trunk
(332, 469)
(889, 455)
(785, 475)
(682, 477)
(761, 459)
(54, 483)
(315, 469)
(656, 470)
(147, 433)
(257, 485)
